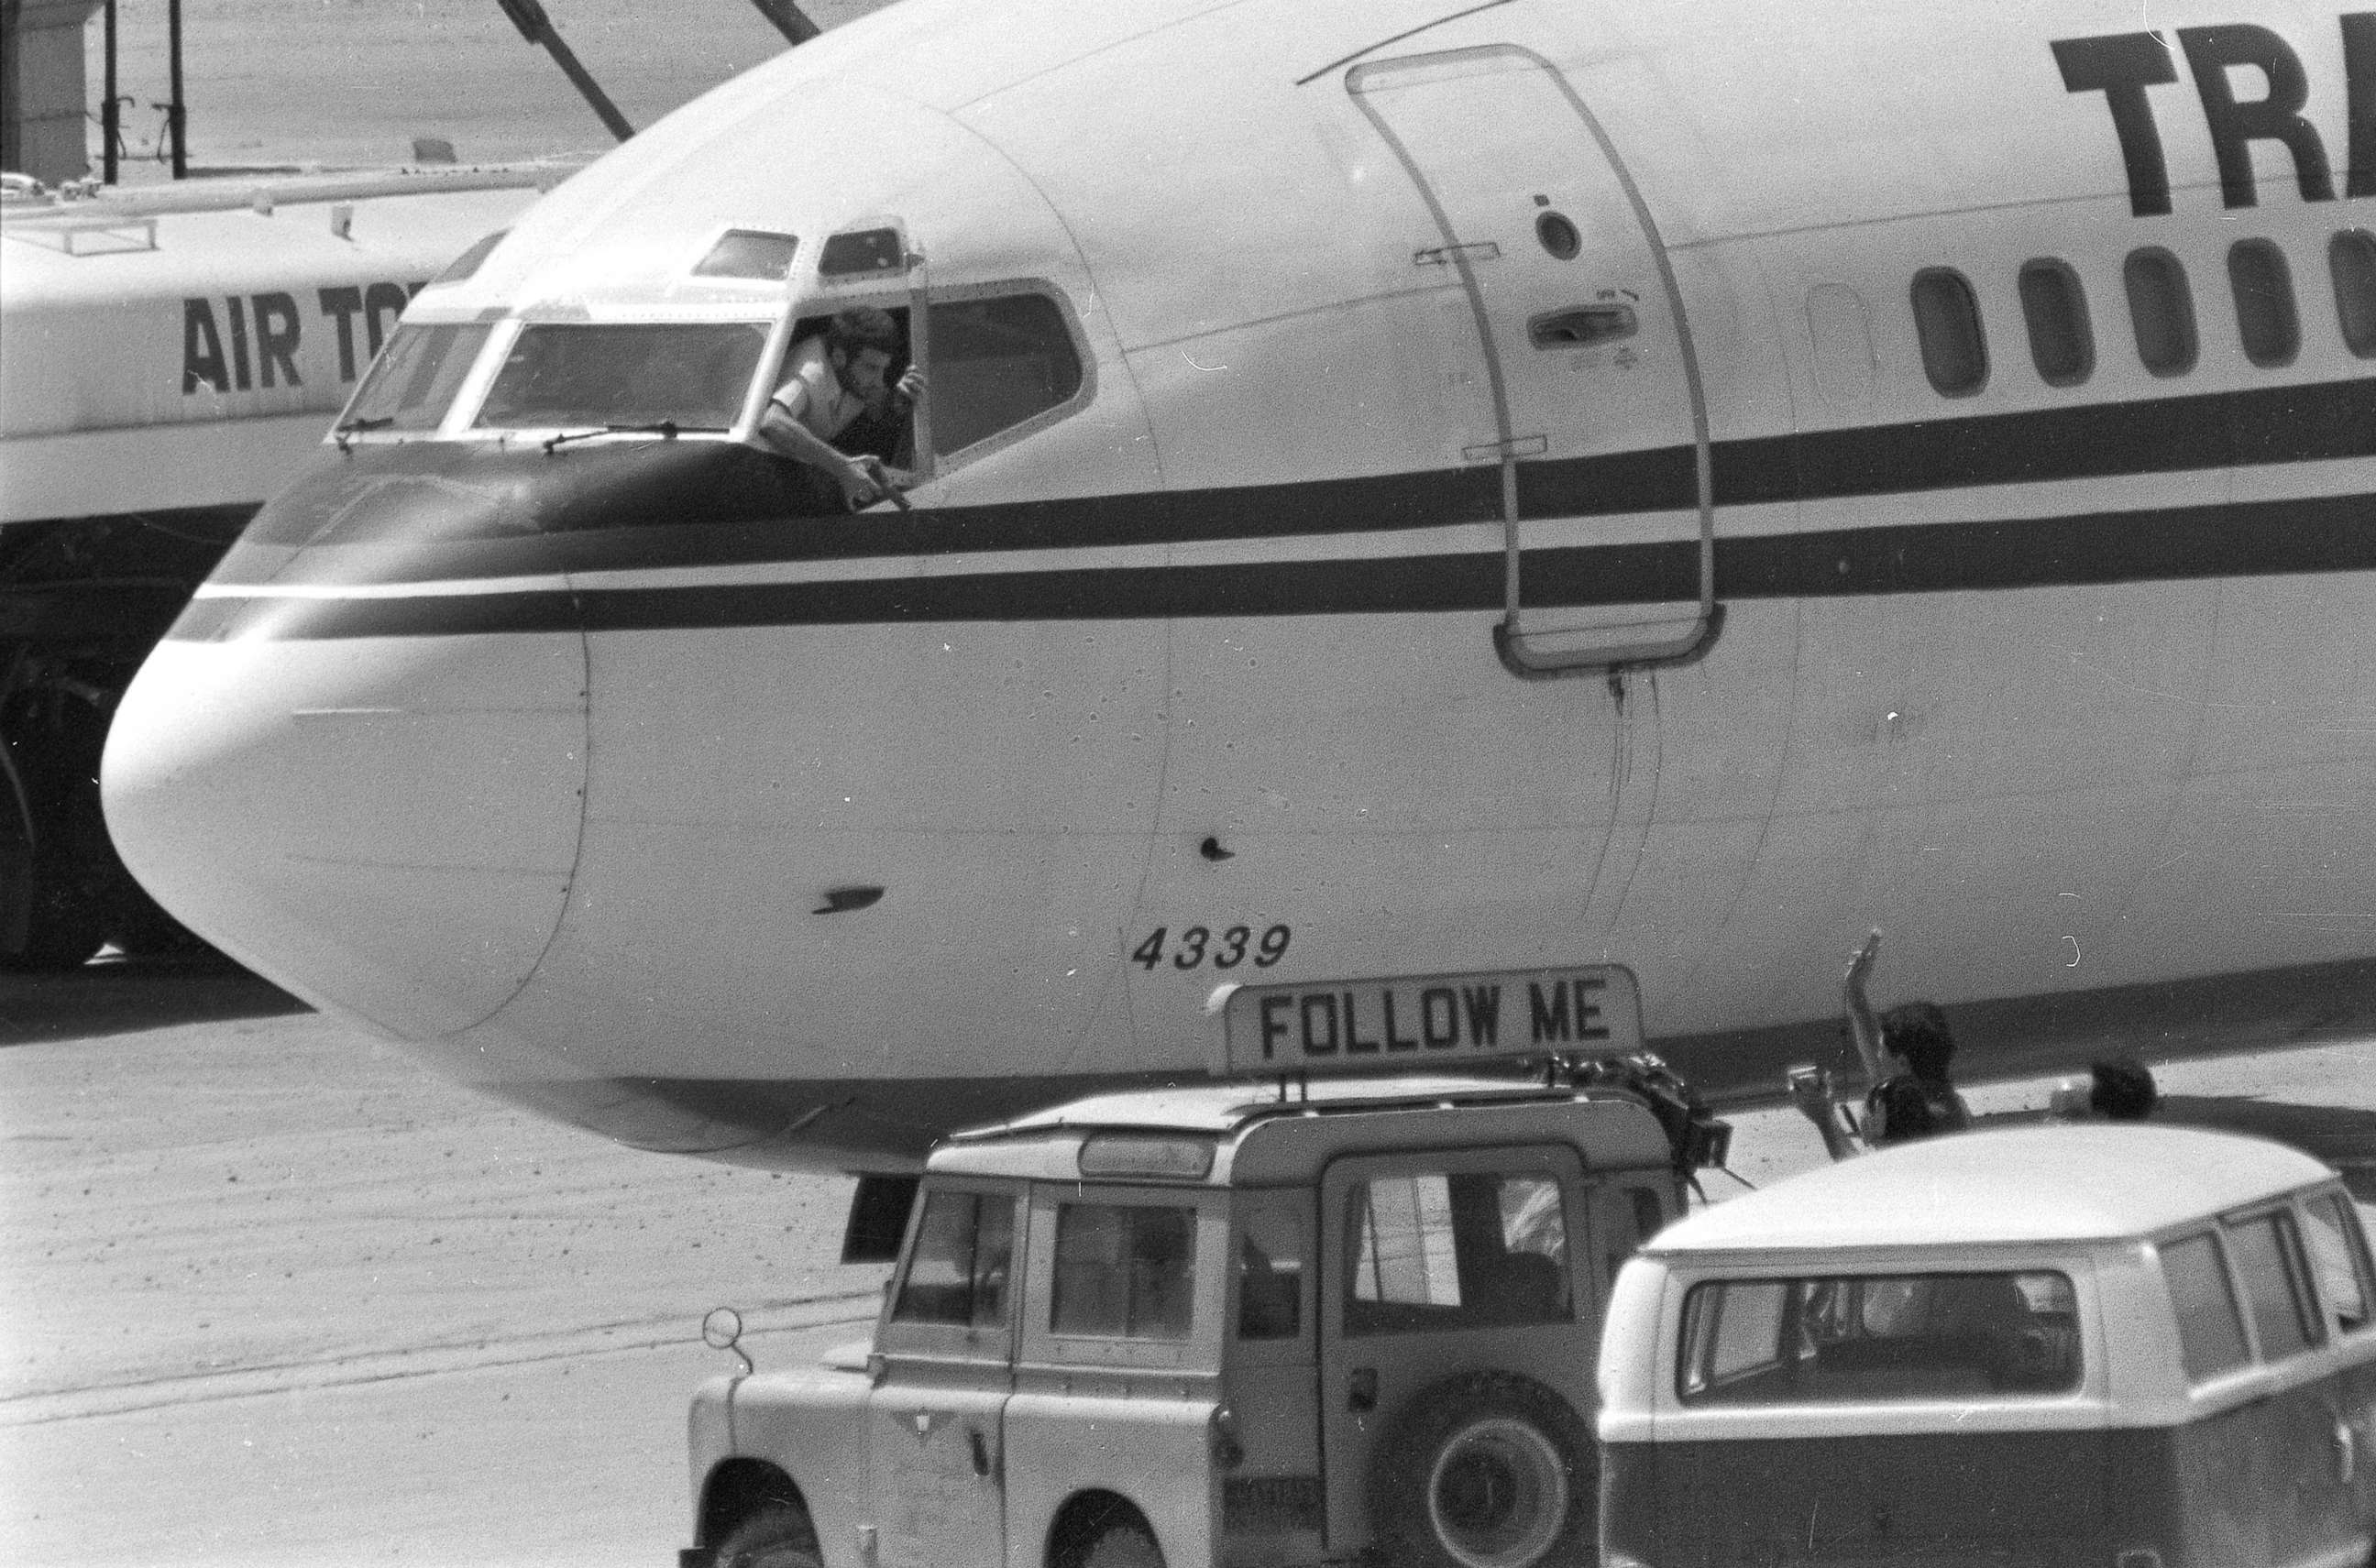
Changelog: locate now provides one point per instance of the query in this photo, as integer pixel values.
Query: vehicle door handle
(1362, 1394)
(2347, 1452)
(980, 1450)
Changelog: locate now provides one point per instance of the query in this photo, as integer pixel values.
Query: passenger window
(1270, 1273)
(996, 362)
(1856, 1339)
(1463, 1250)
(2210, 1330)
(2161, 310)
(2054, 306)
(1731, 1332)
(965, 1249)
(2352, 256)
(2265, 1251)
(2264, 302)
(1947, 320)
(2338, 1257)
(1124, 1271)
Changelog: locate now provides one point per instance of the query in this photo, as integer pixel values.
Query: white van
(2132, 1347)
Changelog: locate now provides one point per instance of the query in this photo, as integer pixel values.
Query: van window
(2264, 302)
(2054, 308)
(1270, 1273)
(1462, 1250)
(1947, 320)
(1124, 1271)
(996, 362)
(964, 1248)
(2161, 309)
(1857, 1339)
(2210, 1330)
(2338, 1257)
(2264, 1250)
(2352, 256)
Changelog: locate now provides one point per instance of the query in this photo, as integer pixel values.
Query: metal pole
(537, 27)
(789, 19)
(177, 114)
(111, 113)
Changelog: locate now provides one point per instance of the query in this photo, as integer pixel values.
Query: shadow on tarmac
(112, 993)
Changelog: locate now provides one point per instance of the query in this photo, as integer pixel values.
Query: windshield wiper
(350, 426)
(665, 429)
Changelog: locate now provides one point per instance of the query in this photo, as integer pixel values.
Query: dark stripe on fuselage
(465, 510)
(429, 513)
(2234, 539)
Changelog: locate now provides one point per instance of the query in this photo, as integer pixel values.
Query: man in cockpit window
(831, 381)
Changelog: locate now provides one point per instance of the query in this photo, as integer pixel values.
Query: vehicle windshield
(689, 376)
(411, 382)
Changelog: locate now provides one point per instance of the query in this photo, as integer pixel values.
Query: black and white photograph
(1187, 783)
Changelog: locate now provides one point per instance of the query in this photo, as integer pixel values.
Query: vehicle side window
(1634, 1214)
(1856, 1339)
(1123, 1271)
(1462, 1250)
(1270, 1273)
(1732, 1332)
(2265, 1249)
(2210, 1330)
(963, 1256)
(994, 364)
(2338, 1257)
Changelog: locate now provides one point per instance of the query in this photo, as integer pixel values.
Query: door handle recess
(1362, 1393)
(980, 1449)
(1581, 327)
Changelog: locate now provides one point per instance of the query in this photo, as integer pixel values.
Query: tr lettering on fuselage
(2123, 66)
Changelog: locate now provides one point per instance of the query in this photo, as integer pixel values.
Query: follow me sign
(1430, 1021)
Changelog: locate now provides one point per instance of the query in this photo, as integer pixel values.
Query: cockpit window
(996, 362)
(413, 379)
(694, 377)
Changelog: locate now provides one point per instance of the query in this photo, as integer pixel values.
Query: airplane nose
(385, 826)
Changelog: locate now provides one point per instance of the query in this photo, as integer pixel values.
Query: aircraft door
(1594, 383)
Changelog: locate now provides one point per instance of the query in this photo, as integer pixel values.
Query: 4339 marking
(1201, 946)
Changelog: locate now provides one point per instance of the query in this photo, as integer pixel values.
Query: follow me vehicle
(1229, 1324)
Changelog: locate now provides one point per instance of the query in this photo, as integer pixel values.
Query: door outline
(1509, 636)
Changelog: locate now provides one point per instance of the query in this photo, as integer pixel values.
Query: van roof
(2052, 1183)
(1258, 1138)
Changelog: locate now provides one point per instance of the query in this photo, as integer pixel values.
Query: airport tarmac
(270, 1293)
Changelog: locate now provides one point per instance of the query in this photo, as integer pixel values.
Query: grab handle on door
(1362, 1394)
(2347, 1452)
(1583, 326)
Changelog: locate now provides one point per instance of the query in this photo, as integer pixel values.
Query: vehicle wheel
(776, 1537)
(1488, 1470)
(1122, 1546)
